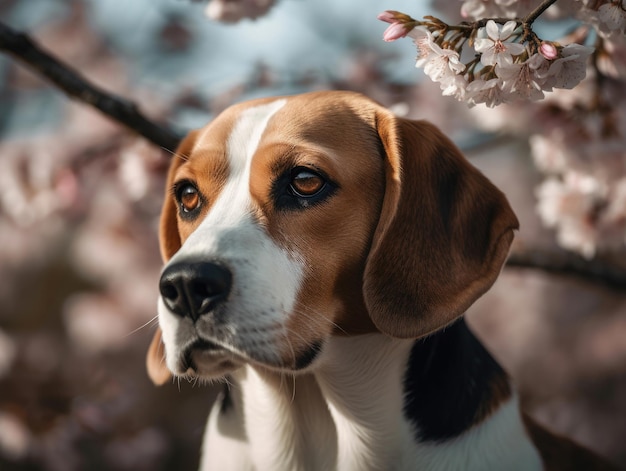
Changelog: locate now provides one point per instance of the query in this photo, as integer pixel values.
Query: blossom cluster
(608, 16)
(510, 63)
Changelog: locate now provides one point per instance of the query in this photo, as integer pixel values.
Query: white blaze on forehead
(246, 134)
(234, 201)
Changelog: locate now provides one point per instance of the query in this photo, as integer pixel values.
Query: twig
(537, 12)
(565, 263)
(25, 50)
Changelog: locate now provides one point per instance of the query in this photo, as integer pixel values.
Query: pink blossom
(521, 80)
(567, 206)
(395, 31)
(612, 15)
(488, 92)
(498, 47)
(548, 50)
(455, 86)
(570, 68)
(400, 25)
(439, 63)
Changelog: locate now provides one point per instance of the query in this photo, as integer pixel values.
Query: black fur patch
(305, 358)
(227, 403)
(451, 383)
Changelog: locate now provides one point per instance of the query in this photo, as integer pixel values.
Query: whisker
(310, 313)
(155, 318)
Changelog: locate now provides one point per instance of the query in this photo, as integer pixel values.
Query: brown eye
(306, 183)
(188, 197)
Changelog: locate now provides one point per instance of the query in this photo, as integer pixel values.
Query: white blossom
(570, 68)
(568, 206)
(442, 64)
(488, 92)
(455, 86)
(612, 15)
(499, 46)
(521, 81)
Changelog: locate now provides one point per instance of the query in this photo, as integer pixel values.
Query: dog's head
(291, 220)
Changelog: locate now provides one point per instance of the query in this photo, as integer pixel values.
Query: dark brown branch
(537, 12)
(25, 50)
(560, 262)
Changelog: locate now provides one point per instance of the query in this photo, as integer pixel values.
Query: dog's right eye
(188, 197)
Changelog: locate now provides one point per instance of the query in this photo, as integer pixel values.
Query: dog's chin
(205, 360)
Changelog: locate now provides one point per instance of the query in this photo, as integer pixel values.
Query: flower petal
(507, 29)
(493, 30)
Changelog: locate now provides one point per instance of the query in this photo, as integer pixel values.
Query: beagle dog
(320, 253)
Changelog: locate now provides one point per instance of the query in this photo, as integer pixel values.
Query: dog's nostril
(168, 291)
(191, 289)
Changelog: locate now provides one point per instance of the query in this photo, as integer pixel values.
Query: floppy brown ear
(443, 235)
(170, 242)
(155, 361)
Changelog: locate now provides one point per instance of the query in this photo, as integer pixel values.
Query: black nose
(191, 289)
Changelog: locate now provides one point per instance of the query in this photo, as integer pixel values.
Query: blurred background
(80, 198)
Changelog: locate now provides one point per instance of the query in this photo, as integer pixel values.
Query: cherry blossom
(521, 79)
(570, 68)
(400, 25)
(440, 64)
(488, 92)
(548, 50)
(568, 206)
(510, 62)
(613, 15)
(499, 46)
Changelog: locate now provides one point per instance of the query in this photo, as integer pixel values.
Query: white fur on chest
(348, 416)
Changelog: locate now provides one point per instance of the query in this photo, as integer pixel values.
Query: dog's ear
(443, 234)
(170, 242)
(155, 360)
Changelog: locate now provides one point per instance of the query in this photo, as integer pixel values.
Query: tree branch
(25, 50)
(537, 12)
(561, 262)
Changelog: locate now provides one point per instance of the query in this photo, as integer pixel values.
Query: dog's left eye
(302, 187)
(188, 197)
(306, 183)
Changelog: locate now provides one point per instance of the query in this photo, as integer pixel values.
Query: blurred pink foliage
(79, 208)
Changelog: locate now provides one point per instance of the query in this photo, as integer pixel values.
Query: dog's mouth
(204, 358)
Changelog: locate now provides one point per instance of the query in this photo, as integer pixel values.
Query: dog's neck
(373, 400)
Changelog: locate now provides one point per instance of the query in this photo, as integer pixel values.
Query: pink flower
(498, 47)
(613, 15)
(570, 68)
(523, 81)
(488, 92)
(548, 50)
(400, 24)
(395, 31)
